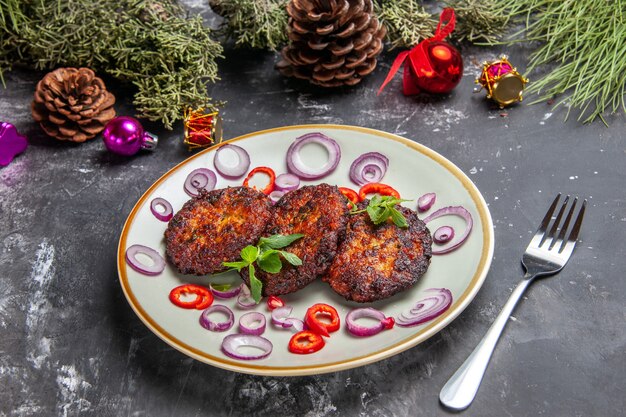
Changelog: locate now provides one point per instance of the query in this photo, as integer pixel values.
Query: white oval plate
(413, 170)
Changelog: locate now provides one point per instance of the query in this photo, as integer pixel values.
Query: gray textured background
(70, 345)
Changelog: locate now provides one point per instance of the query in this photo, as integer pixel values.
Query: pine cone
(333, 42)
(72, 104)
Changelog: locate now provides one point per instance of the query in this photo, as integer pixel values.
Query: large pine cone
(72, 104)
(333, 42)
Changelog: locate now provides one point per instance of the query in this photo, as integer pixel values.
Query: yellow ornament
(503, 83)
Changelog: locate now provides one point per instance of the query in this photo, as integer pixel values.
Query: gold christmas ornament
(503, 83)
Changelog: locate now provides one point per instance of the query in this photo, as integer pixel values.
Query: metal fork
(548, 252)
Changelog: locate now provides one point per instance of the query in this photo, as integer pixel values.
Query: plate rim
(251, 368)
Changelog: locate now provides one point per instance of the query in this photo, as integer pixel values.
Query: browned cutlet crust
(214, 227)
(320, 213)
(376, 262)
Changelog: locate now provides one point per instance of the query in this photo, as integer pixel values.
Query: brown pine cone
(333, 42)
(72, 104)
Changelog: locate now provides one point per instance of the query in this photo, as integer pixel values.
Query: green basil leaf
(270, 264)
(376, 200)
(398, 218)
(236, 265)
(292, 258)
(279, 241)
(374, 212)
(250, 253)
(255, 284)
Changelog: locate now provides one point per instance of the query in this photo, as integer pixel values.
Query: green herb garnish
(267, 256)
(381, 208)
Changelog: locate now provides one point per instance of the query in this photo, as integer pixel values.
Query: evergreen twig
(585, 43)
(253, 23)
(152, 44)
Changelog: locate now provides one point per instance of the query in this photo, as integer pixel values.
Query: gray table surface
(70, 344)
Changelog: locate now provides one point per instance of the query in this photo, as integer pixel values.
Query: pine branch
(169, 57)
(585, 44)
(254, 23)
(407, 22)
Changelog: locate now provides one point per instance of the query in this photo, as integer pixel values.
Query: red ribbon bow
(418, 62)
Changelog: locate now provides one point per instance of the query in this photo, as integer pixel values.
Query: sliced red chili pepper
(262, 170)
(305, 342)
(203, 299)
(318, 326)
(388, 322)
(377, 188)
(350, 194)
(274, 302)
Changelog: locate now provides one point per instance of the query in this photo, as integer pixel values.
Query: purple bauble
(124, 135)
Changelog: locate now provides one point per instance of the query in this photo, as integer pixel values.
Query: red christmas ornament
(432, 66)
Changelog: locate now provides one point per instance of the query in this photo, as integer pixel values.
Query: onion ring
(245, 299)
(166, 214)
(364, 331)
(456, 211)
(295, 164)
(443, 235)
(427, 308)
(232, 343)
(372, 164)
(286, 182)
(280, 315)
(200, 179)
(209, 324)
(425, 202)
(158, 263)
(247, 323)
(229, 293)
(230, 171)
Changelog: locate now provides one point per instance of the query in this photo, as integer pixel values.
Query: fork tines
(562, 240)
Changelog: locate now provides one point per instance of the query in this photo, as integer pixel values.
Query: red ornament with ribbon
(432, 66)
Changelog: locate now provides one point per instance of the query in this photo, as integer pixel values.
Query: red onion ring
(198, 179)
(232, 343)
(247, 323)
(245, 299)
(158, 263)
(166, 214)
(443, 235)
(276, 195)
(456, 211)
(425, 202)
(229, 171)
(208, 324)
(295, 164)
(364, 331)
(280, 315)
(373, 163)
(427, 308)
(295, 324)
(286, 182)
(229, 293)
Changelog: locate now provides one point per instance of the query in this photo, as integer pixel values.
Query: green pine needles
(584, 42)
(169, 57)
(258, 24)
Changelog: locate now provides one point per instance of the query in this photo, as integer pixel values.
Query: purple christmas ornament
(124, 135)
(11, 143)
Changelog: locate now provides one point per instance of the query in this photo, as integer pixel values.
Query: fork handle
(460, 390)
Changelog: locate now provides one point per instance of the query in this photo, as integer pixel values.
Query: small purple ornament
(124, 135)
(11, 143)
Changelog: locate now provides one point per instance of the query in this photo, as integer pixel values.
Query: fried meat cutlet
(214, 227)
(374, 262)
(319, 212)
